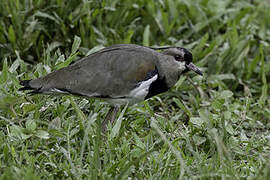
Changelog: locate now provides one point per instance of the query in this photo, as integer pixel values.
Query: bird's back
(112, 72)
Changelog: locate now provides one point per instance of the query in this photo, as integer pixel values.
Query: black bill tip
(194, 68)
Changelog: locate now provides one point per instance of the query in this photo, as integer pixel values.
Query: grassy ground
(215, 127)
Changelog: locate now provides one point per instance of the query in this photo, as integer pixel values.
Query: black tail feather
(35, 91)
(26, 86)
(25, 82)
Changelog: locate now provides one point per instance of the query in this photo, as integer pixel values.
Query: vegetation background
(211, 127)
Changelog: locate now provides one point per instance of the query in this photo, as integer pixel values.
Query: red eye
(178, 58)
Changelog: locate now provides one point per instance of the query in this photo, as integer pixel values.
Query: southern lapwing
(120, 74)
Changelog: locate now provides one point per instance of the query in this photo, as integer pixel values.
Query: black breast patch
(151, 74)
(158, 86)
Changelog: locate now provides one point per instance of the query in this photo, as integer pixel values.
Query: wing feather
(112, 72)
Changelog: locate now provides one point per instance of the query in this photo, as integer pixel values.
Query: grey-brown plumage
(120, 74)
(114, 72)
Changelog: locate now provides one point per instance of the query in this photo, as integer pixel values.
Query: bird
(120, 74)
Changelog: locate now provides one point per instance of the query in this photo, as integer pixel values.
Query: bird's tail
(27, 86)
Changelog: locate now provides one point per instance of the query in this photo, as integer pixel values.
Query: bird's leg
(115, 111)
(110, 116)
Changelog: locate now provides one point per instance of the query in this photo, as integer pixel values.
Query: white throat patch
(181, 65)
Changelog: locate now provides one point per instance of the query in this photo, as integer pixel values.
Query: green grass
(211, 127)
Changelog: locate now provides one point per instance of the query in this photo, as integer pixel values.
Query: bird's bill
(194, 68)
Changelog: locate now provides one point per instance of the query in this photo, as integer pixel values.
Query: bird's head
(183, 58)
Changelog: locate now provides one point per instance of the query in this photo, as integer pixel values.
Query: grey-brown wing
(109, 73)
